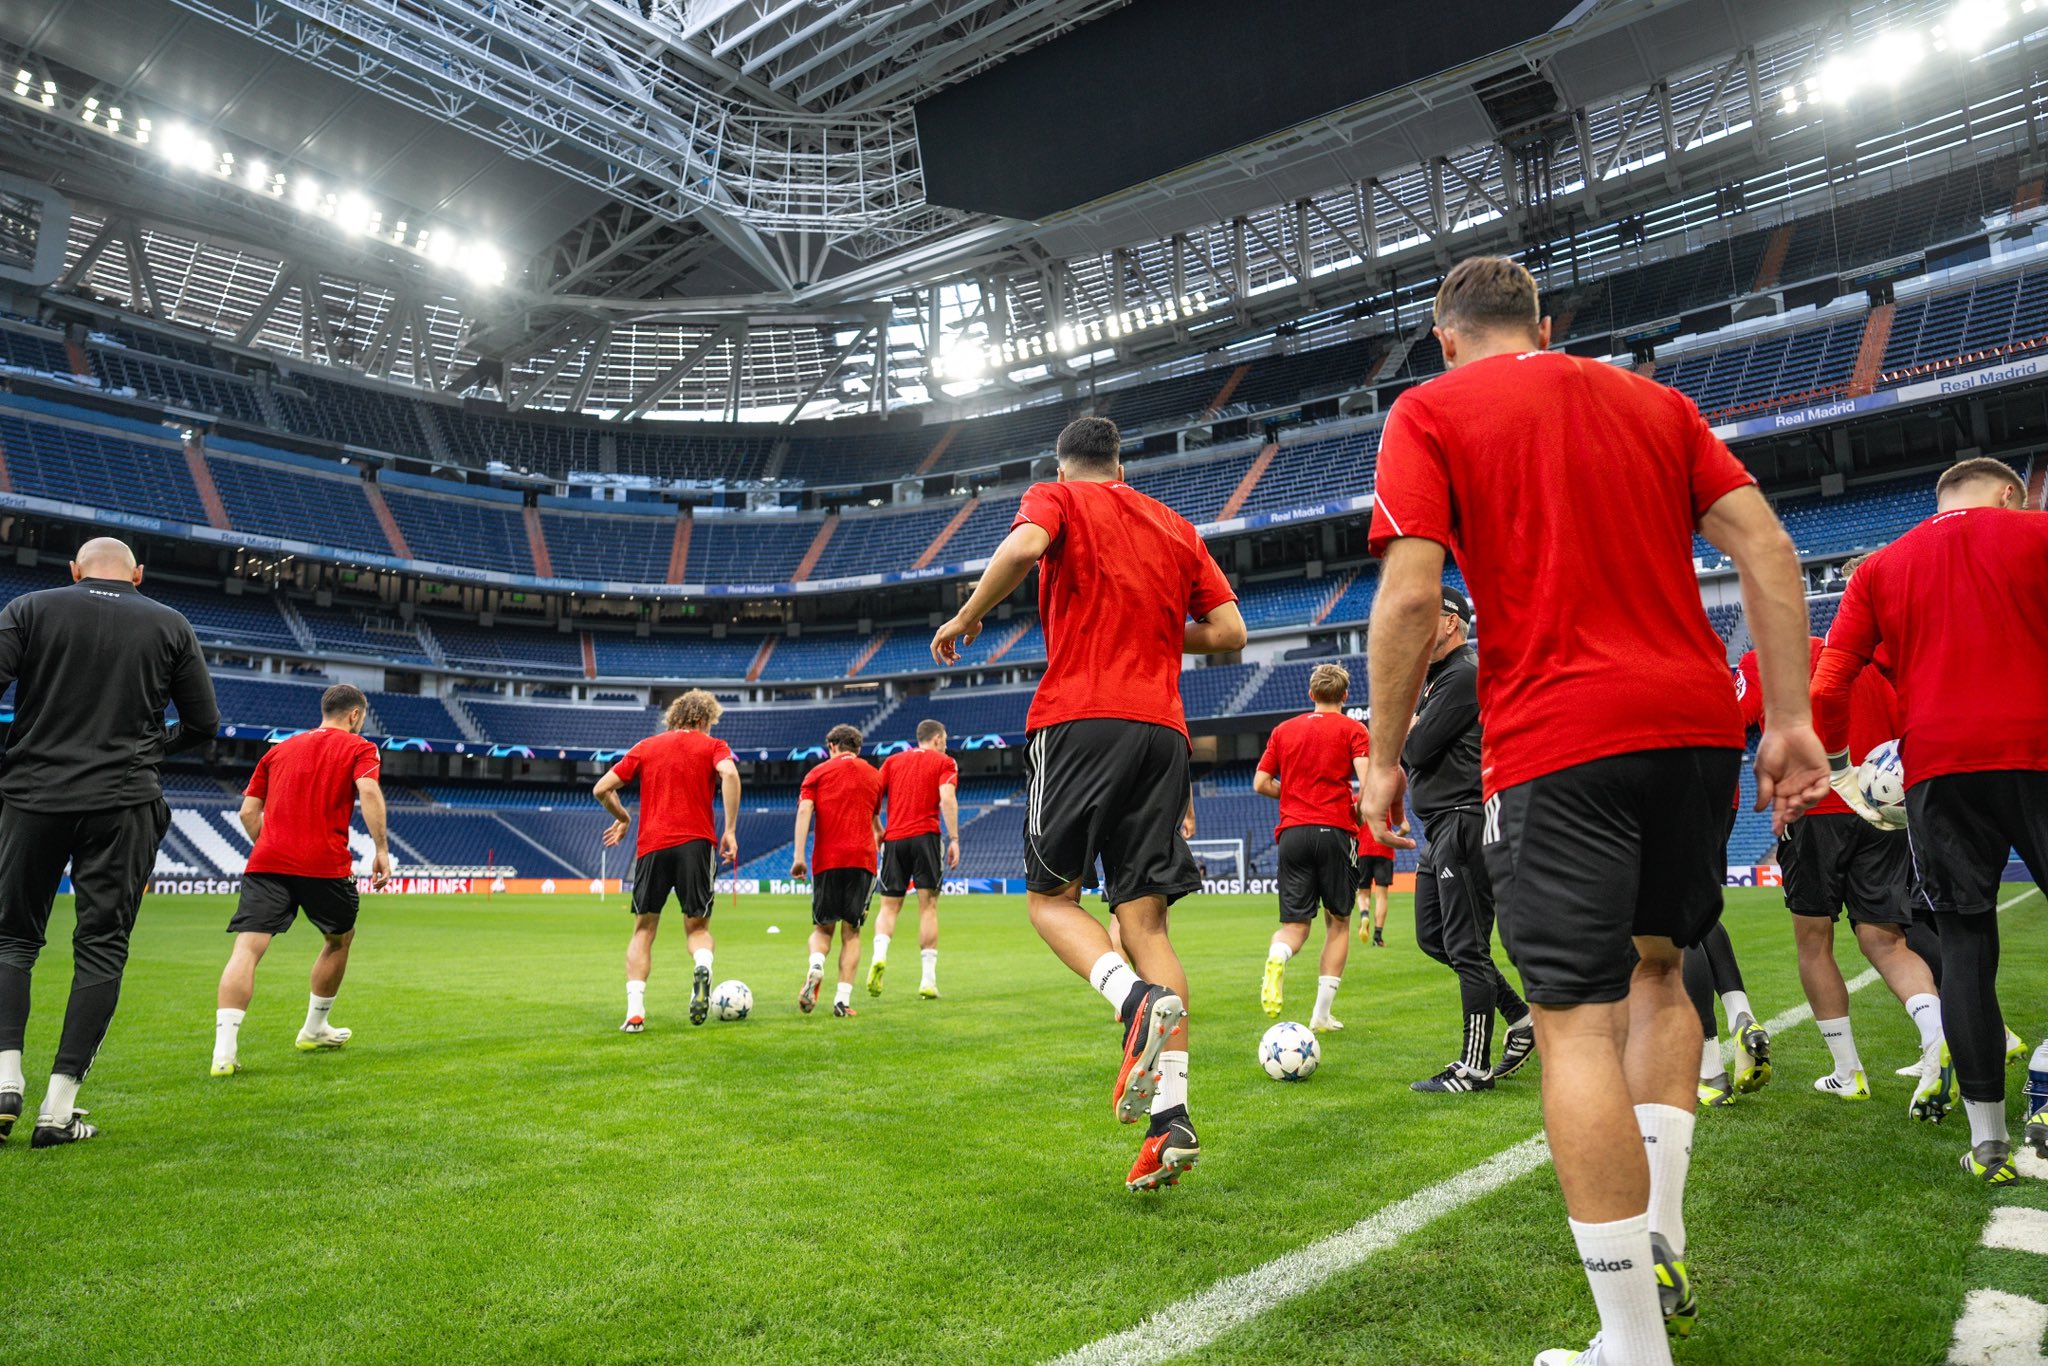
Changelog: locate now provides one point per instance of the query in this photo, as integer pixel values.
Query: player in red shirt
(1570, 491)
(1956, 604)
(1308, 767)
(1376, 867)
(677, 771)
(845, 795)
(922, 788)
(296, 810)
(1125, 587)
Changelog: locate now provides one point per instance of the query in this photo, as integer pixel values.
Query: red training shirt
(1116, 587)
(1368, 847)
(1569, 490)
(1873, 713)
(308, 788)
(678, 774)
(1957, 604)
(1312, 757)
(911, 780)
(847, 792)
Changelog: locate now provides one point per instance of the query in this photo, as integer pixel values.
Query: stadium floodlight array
(1970, 28)
(348, 210)
(973, 358)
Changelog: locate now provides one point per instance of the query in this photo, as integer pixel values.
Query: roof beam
(645, 401)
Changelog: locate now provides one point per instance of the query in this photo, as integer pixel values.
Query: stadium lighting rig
(1968, 29)
(972, 358)
(351, 213)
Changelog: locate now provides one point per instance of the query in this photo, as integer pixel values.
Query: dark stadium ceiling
(714, 206)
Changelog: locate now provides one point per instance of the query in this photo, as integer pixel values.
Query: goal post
(1222, 860)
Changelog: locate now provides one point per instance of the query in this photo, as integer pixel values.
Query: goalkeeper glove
(1842, 777)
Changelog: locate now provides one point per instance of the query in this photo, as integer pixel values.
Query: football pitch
(492, 1172)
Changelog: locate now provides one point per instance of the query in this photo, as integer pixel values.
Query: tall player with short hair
(922, 788)
(1956, 604)
(1309, 766)
(1125, 587)
(844, 793)
(677, 770)
(296, 810)
(1570, 491)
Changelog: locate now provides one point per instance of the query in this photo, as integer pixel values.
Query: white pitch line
(1193, 1323)
(2016, 900)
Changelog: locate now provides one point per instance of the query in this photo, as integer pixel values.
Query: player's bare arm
(1007, 568)
(370, 793)
(729, 793)
(949, 812)
(1359, 769)
(1401, 633)
(1218, 633)
(1791, 767)
(1265, 784)
(1187, 821)
(797, 864)
(251, 816)
(607, 793)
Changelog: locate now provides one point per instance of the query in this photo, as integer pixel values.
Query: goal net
(1220, 860)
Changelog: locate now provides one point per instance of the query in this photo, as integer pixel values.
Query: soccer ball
(1290, 1052)
(731, 1001)
(1883, 780)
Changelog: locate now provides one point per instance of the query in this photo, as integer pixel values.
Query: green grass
(491, 1172)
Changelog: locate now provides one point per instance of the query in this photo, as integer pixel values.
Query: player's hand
(953, 853)
(951, 637)
(1791, 774)
(1187, 825)
(729, 849)
(797, 871)
(1375, 801)
(380, 868)
(1847, 783)
(615, 832)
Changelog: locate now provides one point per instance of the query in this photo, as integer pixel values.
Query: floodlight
(1893, 54)
(114, 119)
(306, 193)
(1114, 325)
(142, 127)
(1839, 79)
(91, 109)
(1973, 23)
(23, 83)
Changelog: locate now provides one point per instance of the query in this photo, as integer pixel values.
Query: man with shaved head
(95, 665)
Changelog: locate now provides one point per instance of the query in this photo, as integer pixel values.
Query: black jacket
(94, 665)
(1442, 752)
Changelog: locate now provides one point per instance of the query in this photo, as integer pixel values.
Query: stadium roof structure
(716, 208)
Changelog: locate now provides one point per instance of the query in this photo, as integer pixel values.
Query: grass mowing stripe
(1197, 1321)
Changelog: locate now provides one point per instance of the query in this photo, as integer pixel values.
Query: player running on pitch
(1570, 491)
(296, 810)
(677, 771)
(1309, 765)
(1956, 604)
(1125, 587)
(1376, 867)
(845, 795)
(922, 788)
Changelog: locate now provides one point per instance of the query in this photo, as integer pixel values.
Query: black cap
(1456, 603)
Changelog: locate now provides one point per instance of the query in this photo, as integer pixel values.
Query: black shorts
(270, 902)
(1963, 827)
(1114, 789)
(918, 860)
(840, 895)
(1587, 858)
(1375, 870)
(1318, 867)
(1836, 859)
(688, 869)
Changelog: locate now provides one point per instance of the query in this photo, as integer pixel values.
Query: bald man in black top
(95, 664)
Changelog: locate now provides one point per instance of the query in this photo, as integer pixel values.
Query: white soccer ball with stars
(1290, 1052)
(1883, 780)
(731, 1001)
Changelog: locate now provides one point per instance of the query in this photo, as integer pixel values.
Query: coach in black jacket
(95, 664)
(1453, 896)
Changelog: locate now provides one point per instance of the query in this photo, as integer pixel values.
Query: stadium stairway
(1252, 475)
(301, 632)
(1331, 598)
(817, 550)
(1877, 334)
(868, 652)
(208, 842)
(589, 654)
(938, 449)
(679, 550)
(1229, 388)
(1773, 261)
(202, 480)
(465, 720)
(959, 519)
(1251, 686)
(1003, 646)
(761, 659)
(537, 543)
(430, 642)
(382, 511)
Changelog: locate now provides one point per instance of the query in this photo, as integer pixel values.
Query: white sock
(1528, 1021)
(1736, 1003)
(1279, 953)
(636, 999)
(931, 964)
(227, 1033)
(11, 1078)
(1925, 1009)
(316, 1013)
(1841, 1043)
(1173, 1082)
(1711, 1065)
(844, 995)
(1987, 1121)
(881, 947)
(818, 962)
(702, 958)
(1326, 996)
(1667, 1142)
(60, 1100)
(1618, 1267)
(1113, 977)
